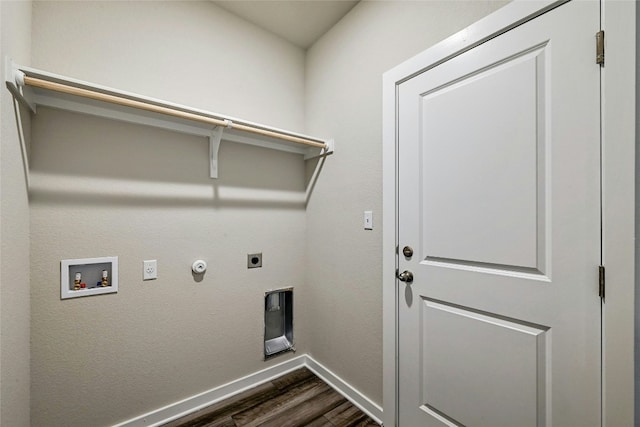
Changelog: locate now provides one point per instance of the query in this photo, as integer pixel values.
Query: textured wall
(193, 53)
(344, 100)
(104, 188)
(15, 42)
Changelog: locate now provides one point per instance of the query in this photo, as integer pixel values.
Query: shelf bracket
(14, 79)
(214, 146)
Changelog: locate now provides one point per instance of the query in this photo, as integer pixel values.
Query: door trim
(619, 212)
(618, 113)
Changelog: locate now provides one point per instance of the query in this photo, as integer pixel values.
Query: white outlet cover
(150, 269)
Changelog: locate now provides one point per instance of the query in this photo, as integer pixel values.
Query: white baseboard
(194, 403)
(199, 401)
(358, 399)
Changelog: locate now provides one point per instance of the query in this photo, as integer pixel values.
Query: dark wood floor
(294, 400)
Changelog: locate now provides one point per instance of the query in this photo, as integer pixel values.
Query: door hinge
(600, 48)
(601, 282)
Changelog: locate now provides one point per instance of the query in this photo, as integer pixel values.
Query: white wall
(344, 100)
(15, 42)
(103, 188)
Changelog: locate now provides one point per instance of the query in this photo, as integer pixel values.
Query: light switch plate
(368, 220)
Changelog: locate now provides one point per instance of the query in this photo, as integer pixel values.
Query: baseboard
(365, 404)
(194, 403)
(199, 401)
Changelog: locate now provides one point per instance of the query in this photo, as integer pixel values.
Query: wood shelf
(34, 88)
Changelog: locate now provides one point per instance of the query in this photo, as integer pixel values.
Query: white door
(499, 198)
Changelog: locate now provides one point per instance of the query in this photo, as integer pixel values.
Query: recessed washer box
(88, 276)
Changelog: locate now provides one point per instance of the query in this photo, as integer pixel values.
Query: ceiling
(301, 22)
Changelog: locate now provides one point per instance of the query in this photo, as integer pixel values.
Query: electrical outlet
(150, 269)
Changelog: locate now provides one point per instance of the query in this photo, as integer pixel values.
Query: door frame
(619, 95)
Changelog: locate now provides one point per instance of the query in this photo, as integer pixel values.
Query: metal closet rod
(118, 100)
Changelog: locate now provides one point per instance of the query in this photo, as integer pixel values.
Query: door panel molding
(505, 200)
(446, 393)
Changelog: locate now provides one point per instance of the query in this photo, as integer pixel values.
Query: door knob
(406, 276)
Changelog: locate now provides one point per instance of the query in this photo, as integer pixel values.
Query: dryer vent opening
(278, 322)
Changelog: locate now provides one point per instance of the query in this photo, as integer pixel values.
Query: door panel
(464, 351)
(499, 196)
(496, 197)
